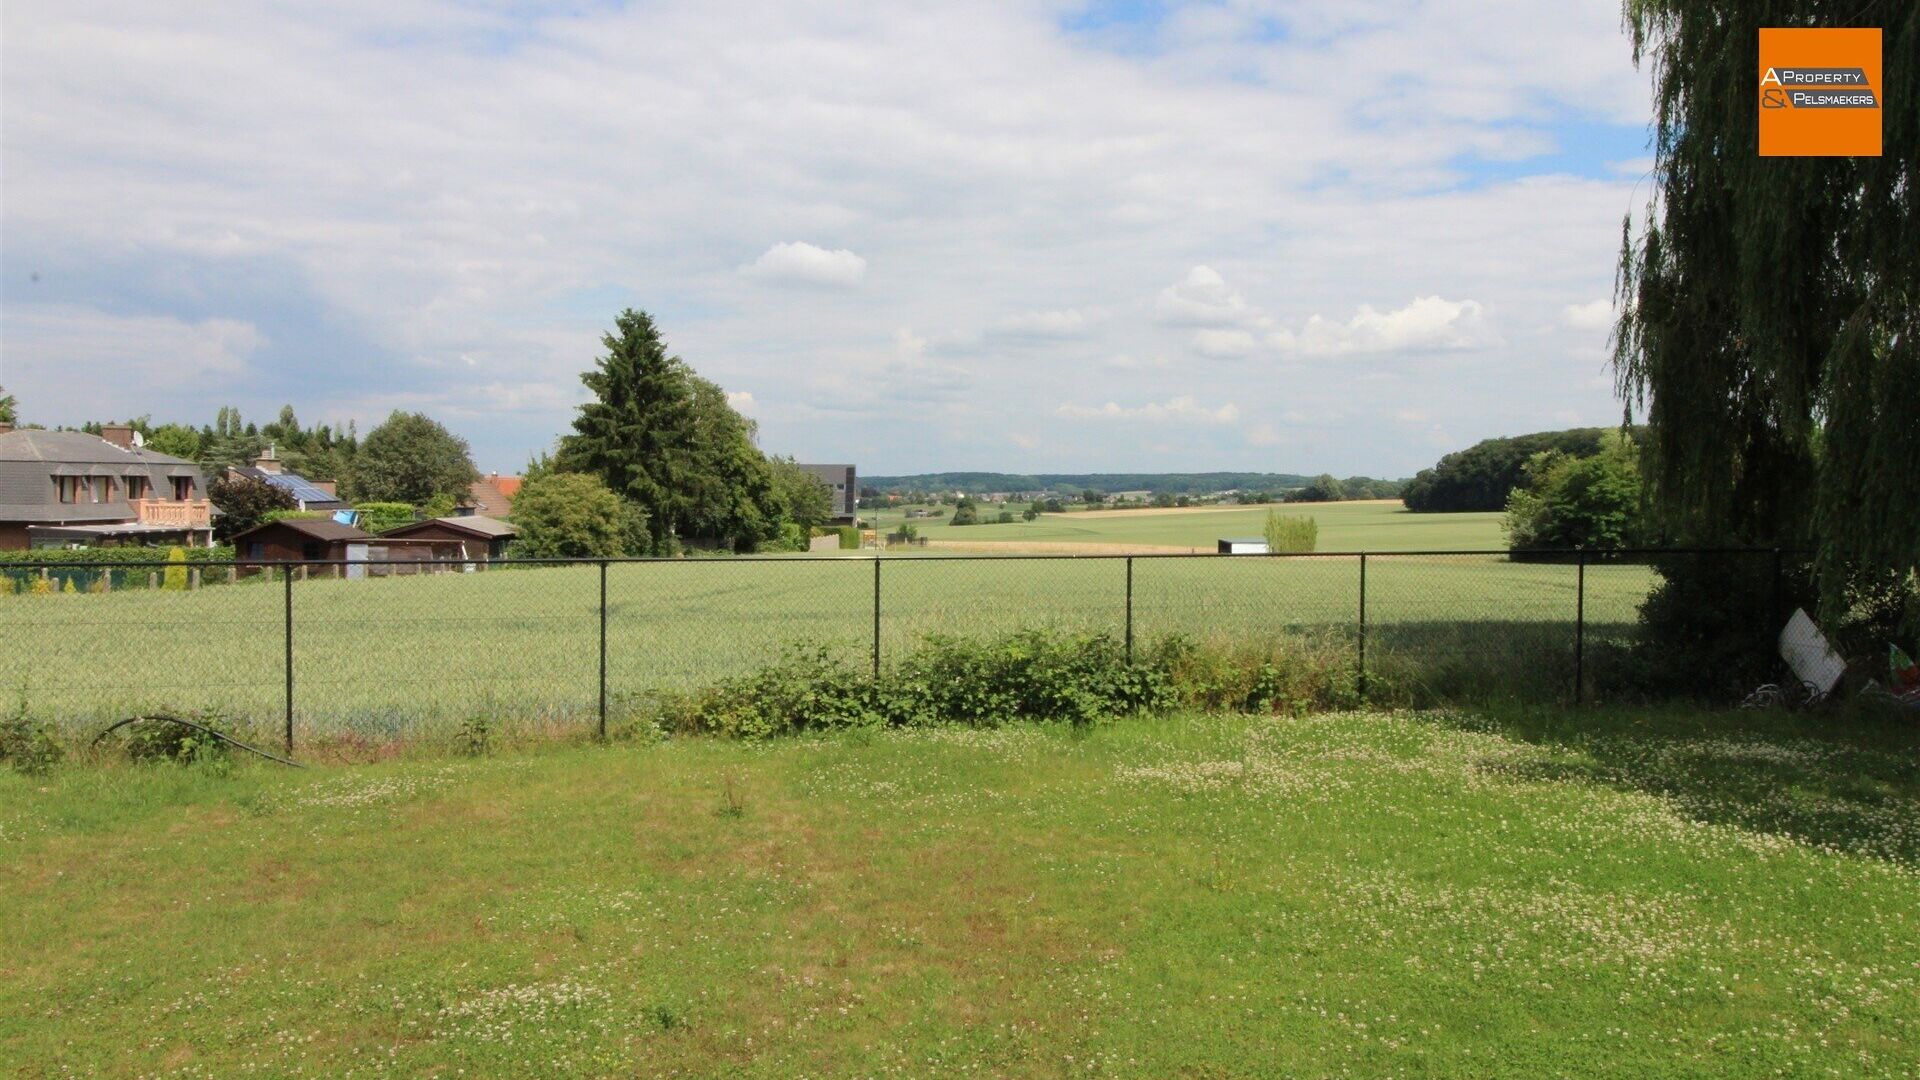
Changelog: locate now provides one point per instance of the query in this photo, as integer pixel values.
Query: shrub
(474, 738)
(1295, 676)
(1291, 532)
(1571, 502)
(379, 517)
(573, 515)
(163, 740)
(849, 538)
(176, 575)
(1030, 674)
(1710, 627)
(27, 746)
(792, 537)
(807, 689)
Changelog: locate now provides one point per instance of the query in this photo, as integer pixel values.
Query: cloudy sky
(1296, 235)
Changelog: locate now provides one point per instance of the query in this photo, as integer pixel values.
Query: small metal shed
(1243, 545)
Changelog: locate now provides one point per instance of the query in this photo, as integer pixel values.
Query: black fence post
(1363, 627)
(1129, 610)
(1580, 626)
(603, 650)
(876, 617)
(286, 578)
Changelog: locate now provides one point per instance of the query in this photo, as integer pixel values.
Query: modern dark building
(841, 485)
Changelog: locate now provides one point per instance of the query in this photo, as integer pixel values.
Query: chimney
(267, 462)
(120, 435)
(328, 486)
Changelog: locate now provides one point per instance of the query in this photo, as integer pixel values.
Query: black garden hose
(222, 736)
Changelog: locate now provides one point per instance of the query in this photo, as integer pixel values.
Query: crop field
(380, 658)
(1593, 894)
(1350, 526)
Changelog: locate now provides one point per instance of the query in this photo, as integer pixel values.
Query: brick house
(69, 488)
(491, 496)
(307, 494)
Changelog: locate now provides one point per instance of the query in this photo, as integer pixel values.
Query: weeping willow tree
(1770, 307)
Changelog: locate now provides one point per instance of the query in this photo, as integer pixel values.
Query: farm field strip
(379, 656)
(1353, 526)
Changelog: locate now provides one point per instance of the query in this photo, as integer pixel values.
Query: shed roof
(477, 524)
(317, 528)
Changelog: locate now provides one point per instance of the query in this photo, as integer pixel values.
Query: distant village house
(307, 494)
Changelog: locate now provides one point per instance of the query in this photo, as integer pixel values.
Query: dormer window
(182, 488)
(73, 489)
(137, 487)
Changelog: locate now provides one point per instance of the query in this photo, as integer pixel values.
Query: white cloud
(1593, 315)
(1224, 343)
(1181, 409)
(1429, 322)
(805, 264)
(1203, 298)
(464, 195)
(742, 401)
(62, 336)
(1059, 325)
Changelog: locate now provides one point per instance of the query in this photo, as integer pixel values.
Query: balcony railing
(178, 514)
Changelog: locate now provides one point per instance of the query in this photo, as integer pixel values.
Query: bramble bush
(162, 740)
(987, 681)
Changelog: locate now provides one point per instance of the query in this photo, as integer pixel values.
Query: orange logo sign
(1819, 93)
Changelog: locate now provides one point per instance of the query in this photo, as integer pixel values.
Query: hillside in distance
(981, 483)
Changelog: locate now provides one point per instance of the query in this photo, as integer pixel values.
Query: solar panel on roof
(301, 488)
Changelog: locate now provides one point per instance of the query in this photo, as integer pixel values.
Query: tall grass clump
(1291, 532)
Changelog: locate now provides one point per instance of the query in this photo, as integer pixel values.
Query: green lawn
(379, 658)
(1357, 526)
(1594, 894)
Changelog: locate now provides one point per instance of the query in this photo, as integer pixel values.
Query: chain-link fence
(375, 651)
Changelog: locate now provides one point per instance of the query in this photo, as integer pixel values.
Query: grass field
(1354, 526)
(1596, 894)
(380, 658)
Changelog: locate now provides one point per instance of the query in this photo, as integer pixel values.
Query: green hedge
(96, 556)
(82, 570)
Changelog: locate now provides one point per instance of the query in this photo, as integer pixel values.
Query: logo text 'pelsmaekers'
(1816, 88)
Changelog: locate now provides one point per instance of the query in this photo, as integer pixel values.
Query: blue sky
(1134, 236)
